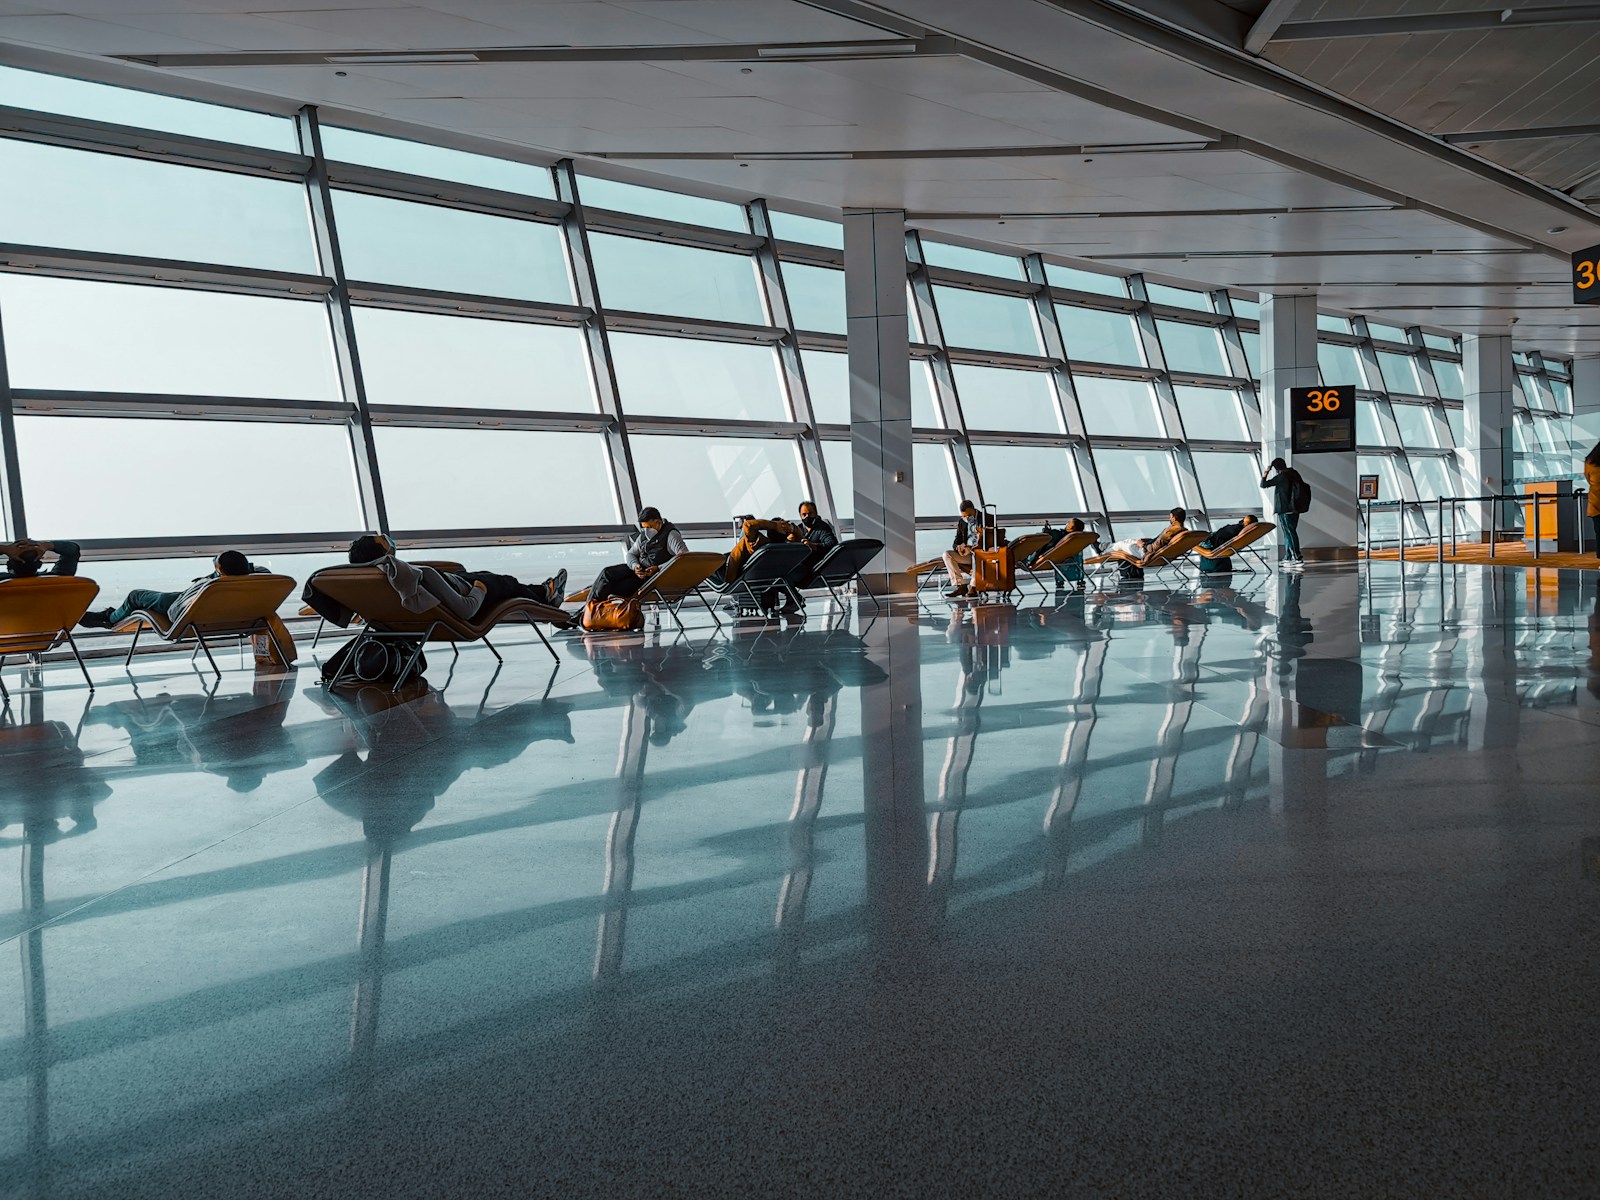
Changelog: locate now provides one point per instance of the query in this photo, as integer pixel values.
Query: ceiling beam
(1448, 22)
(1268, 23)
(1532, 133)
(942, 152)
(1103, 215)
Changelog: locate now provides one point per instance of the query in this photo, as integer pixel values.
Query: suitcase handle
(989, 530)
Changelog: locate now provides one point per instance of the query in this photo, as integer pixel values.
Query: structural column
(1490, 376)
(880, 389)
(1585, 405)
(1289, 360)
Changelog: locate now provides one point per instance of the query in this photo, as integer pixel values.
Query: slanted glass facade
(246, 328)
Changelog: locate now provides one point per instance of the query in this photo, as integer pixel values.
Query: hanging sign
(1322, 420)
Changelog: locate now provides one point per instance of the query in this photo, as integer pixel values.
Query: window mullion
(602, 370)
(944, 380)
(1166, 398)
(1067, 403)
(15, 522)
(341, 321)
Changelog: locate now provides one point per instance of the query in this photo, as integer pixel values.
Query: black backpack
(1302, 496)
(375, 662)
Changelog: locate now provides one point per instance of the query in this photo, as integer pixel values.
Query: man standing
(1286, 484)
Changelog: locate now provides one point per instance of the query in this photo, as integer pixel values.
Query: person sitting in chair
(1145, 549)
(1220, 538)
(813, 530)
(170, 604)
(650, 549)
(489, 588)
(1072, 568)
(25, 559)
(969, 536)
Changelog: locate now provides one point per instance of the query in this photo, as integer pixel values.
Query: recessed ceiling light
(1556, 229)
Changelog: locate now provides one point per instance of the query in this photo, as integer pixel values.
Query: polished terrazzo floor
(1285, 889)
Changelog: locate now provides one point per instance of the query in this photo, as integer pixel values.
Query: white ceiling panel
(756, 20)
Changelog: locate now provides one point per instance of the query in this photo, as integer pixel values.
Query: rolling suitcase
(994, 568)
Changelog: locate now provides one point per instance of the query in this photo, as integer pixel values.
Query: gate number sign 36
(1586, 276)
(1322, 400)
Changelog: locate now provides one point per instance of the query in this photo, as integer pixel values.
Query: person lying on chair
(754, 533)
(969, 535)
(488, 587)
(656, 543)
(25, 559)
(1144, 549)
(1220, 538)
(229, 562)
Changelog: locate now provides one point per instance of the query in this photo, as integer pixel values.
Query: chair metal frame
(1168, 559)
(1070, 546)
(1241, 547)
(784, 581)
(42, 641)
(174, 630)
(652, 594)
(819, 573)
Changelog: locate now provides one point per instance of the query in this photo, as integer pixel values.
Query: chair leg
(861, 585)
(4, 695)
(79, 657)
(709, 607)
(534, 625)
(200, 637)
(322, 623)
(492, 650)
(128, 662)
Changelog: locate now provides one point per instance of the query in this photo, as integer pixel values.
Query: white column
(1490, 377)
(880, 389)
(1289, 360)
(1585, 405)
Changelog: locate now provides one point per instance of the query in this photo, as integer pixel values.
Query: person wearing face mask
(813, 530)
(650, 549)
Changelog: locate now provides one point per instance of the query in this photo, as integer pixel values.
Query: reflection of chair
(680, 577)
(775, 567)
(367, 592)
(842, 565)
(38, 614)
(1166, 559)
(232, 606)
(1240, 546)
(1050, 562)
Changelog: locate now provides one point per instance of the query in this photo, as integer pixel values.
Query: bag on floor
(619, 614)
(266, 643)
(375, 662)
(1130, 571)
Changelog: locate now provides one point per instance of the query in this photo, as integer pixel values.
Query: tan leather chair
(1169, 557)
(38, 614)
(367, 592)
(1241, 545)
(1049, 563)
(442, 565)
(233, 606)
(680, 577)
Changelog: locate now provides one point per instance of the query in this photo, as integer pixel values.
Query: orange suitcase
(994, 567)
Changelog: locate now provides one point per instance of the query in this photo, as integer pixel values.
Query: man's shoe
(556, 586)
(956, 593)
(95, 620)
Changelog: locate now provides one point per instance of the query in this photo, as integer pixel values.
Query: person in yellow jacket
(1591, 475)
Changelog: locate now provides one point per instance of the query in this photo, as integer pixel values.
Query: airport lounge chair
(232, 606)
(681, 578)
(779, 566)
(1167, 559)
(1049, 564)
(933, 569)
(367, 593)
(1241, 547)
(841, 566)
(38, 614)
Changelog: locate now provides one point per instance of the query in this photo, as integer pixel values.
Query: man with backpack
(1291, 497)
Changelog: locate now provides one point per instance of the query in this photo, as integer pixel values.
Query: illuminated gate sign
(1322, 420)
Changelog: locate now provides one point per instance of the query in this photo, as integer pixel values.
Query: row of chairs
(37, 615)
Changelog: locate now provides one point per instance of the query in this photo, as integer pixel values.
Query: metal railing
(1535, 500)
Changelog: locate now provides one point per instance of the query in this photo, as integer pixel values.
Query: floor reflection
(757, 806)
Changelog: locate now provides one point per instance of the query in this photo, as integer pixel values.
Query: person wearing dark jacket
(970, 535)
(813, 530)
(1286, 483)
(1219, 538)
(656, 543)
(25, 559)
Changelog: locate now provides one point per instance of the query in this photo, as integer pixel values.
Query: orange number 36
(1586, 274)
(1322, 401)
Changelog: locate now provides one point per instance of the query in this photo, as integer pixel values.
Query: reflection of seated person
(969, 536)
(1143, 550)
(228, 563)
(1220, 538)
(650, 549)
(463, 592)
(25, 559)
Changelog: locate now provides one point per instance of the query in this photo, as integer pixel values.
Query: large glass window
(828, 384)
(1456, 418)
(808, 231)
(1160, 293)
(1415, 423)
(657, 277)
(1093, 335)
(1340, 365)
(934, 481)
(1061, 276)
(982, 321)
(1383, 466)
(1138, 480)
(1369, 432)
(1014, 401)
(465, 362)
(143, 110)
(437, 162)
(1252, 351)
(1228, 481)
(676, 377)
(111, 337)
(669, 206)
(449, 249)
(1434, 477)
(964, 258)
(837, 460)
(80, 200)
(1028, 479)
(717, 478)
(1399, 372)
(1195, 349)
(1211, 414)
(1448, 376)
(139, 477)
(816, 297)
(1118, 407)
(495, 477)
